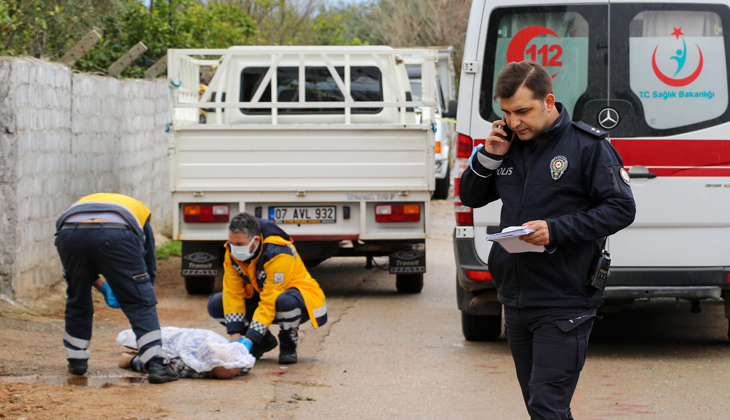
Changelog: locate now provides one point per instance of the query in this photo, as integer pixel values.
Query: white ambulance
(655, 75)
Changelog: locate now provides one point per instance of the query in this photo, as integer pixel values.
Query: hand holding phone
(507, 130)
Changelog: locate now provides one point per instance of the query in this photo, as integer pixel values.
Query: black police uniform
(124, 253)
(574, 180)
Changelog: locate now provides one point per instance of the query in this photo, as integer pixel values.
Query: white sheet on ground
(201, 350)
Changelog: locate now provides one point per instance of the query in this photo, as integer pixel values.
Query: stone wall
(63, 136)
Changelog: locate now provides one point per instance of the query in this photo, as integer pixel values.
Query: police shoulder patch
(599, 133)
(625, 176)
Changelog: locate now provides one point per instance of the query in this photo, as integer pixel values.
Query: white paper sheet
(509, 238)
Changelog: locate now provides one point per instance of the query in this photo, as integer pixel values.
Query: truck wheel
(199, 285)
(313, 263)
(442, 187)
(481, 327)
(409, 283)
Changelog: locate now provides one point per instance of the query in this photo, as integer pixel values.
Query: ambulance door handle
(648, 175)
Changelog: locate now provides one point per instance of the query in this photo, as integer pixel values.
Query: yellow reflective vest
(276, 269)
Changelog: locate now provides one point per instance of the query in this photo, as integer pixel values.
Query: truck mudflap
(408, 262)
(201, 258)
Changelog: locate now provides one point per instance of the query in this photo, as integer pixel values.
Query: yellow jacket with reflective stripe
(283, 270)
(134, 212)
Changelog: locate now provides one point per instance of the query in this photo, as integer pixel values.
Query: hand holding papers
(509, 238)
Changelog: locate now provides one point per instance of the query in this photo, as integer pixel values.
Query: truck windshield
(365, 85)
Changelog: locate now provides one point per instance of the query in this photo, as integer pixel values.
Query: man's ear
(550, 102)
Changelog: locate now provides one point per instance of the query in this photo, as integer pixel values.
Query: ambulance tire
(409, 283)
(442, 187)
(481, 327)
(196, 285)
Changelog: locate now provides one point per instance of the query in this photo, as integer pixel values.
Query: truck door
(571, 41)
(667, 113)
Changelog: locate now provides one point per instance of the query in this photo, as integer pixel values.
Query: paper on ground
(509, 238)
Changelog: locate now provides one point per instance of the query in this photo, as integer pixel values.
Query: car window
(416, 90)
(678, 66)
(365, 85)
(556, 39)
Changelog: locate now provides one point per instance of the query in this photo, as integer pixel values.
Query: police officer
(566, 182)
(110, 234)
(265, 282)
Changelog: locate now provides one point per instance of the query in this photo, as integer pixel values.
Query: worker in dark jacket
(110, 234)
(566, 182)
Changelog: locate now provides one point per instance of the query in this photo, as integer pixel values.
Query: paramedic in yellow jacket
(265, 283)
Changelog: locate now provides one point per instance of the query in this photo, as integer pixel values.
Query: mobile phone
(506, 128)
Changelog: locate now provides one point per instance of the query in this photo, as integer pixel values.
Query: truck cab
(655, 76)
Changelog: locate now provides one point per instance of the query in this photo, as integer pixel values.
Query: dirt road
(381, 355)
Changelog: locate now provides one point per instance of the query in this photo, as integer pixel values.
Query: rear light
(206, 213)
(728, 277)
(438, 147)
(479, 275)
(463, 146)
(388, 213)
(464, 214)
(456, 186)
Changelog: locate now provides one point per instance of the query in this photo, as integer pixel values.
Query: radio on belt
(600, 271)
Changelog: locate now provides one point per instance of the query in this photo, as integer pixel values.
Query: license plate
(298, 215)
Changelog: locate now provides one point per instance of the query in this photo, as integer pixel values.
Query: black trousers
(290, 312)
(549, 350)
(119, 256)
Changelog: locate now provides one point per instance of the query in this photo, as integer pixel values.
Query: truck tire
(313, 263)
(442, 187)
(481, 327)
(195, 285)
(409, 283)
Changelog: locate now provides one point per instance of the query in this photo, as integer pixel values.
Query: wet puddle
(93, 381)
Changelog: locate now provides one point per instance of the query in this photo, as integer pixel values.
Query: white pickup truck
(336, 156)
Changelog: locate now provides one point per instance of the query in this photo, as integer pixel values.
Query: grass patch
(164, 251)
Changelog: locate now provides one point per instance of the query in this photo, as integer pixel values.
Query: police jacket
(134, 212)
(276, 268)
(577, 184)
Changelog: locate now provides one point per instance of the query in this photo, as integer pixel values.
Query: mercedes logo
(608, 118)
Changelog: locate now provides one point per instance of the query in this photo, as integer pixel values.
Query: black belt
(109, 225)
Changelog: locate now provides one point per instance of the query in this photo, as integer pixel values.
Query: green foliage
(48, 28)
(295, 22)
(180, 24)
(164, 251)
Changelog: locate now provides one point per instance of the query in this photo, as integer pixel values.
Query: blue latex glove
(109, 297)
(474, 153)
(245, 341)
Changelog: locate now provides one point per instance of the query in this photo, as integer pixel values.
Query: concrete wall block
(20, 73)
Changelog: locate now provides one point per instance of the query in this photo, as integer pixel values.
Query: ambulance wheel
(199, 285)
(481, 327)
(409, 283)
(442, 187)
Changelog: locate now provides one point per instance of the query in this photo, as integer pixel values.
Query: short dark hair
(246, 224)
(526, 73)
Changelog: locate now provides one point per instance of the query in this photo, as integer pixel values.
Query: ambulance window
(366, 85)
(677, 66)
(557, 40)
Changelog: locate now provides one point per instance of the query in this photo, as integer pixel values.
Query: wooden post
(81, 48)
(134, 53)
(156, 68)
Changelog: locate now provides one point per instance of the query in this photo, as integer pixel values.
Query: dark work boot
(287, 357)
(159, 374)
(77, 370)
(267, 344)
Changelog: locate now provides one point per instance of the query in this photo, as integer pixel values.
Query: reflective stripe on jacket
(276, 268)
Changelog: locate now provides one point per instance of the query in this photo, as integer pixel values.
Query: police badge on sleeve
(558, 166)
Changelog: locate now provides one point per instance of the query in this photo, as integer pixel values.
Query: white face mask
(243, 253)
